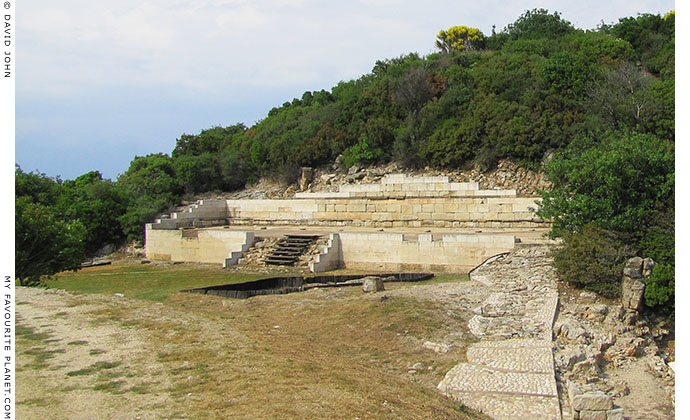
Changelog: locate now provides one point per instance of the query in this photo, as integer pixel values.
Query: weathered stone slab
(594, 401)
(509, 359)
(592, 415)
(512, 407)
(469, 378)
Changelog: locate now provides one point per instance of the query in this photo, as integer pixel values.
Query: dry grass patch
(320, 354)
(332, 353)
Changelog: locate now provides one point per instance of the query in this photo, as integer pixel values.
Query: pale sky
(100, 82)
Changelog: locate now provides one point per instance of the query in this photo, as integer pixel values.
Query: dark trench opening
(283, 285)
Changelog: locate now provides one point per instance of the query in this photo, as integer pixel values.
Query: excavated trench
(283, 285)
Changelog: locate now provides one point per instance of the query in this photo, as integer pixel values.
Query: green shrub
(660, 290)
(361, 152)
(593, 259)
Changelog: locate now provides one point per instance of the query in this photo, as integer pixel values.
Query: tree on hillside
(459, 38)
(624, 96)
(413, 90)
(618, 184)
(45, 242)
(538, 23)
(152, 186)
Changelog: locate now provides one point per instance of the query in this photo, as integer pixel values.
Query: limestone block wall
(402, 186)
(413, 212)
(398, 201)
(212, 246)
(389, 251)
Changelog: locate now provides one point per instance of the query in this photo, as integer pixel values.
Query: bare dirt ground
(322, 354)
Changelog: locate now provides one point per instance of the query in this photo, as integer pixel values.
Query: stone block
(357, 207)
(573, 390)
(592, 401)
(393, 208)
(615, 414)
(592, 415)
(648, 267)
(632, 292)
(633, 268)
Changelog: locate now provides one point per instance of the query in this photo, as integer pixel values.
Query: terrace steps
(289, 249)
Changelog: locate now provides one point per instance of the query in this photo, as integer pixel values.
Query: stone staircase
(289, 249)
(509, 373)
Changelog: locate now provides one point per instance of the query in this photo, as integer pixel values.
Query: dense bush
(46, 241)
(593, 259)
(623, 183)
(617, 181)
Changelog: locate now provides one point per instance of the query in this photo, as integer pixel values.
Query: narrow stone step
(278, 262)
(470, 378)
(282, 257)
(512, 407)
(509, 358)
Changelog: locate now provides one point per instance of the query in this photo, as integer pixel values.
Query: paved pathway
(509, 373)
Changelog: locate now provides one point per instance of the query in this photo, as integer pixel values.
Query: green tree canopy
(617, 184)
(45, 242)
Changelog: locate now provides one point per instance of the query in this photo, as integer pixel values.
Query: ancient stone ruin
(402, 223)
(536, 356)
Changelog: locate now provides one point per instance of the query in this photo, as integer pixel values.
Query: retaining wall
(212, 246)
(397, 201)
(390, 212)
(391, 251)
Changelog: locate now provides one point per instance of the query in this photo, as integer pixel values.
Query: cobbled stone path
(509, 373)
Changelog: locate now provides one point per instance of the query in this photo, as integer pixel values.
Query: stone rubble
(593, 339)
(507, 175)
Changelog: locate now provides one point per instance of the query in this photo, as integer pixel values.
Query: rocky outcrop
(634, 273)
(305, 178)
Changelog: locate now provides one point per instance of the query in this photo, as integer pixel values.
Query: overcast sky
(100, 82)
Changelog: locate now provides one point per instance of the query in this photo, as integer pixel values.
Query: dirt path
(66, 351)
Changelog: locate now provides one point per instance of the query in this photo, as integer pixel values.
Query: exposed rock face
(305, 178)
(635, 271)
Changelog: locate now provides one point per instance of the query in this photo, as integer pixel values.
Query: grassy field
(332, 353)
(150, 282)
(159, 282)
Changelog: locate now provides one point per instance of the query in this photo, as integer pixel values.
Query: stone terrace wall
(389, 251)
(213, 246)
(412, 212)
(397, 201)
(401, 186)
(204, 210)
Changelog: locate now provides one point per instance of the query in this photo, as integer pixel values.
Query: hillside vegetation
(601, 100)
